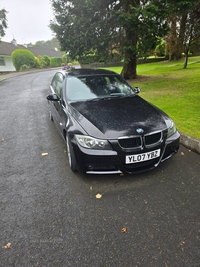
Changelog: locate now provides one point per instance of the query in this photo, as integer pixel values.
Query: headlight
(90, 142)
(171, 130)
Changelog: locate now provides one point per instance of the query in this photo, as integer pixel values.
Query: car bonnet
(116, 117)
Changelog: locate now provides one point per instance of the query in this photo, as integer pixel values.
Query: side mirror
(136, 90)
(53, 97)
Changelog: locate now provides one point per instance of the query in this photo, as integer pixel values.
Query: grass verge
(174, 90)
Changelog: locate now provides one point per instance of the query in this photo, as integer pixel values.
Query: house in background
(6, 50)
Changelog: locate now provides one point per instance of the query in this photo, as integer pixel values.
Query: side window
(54, 82)
(59, 85)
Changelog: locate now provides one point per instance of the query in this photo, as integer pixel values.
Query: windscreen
(92, 87)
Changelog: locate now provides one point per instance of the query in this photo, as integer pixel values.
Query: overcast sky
(27, 20)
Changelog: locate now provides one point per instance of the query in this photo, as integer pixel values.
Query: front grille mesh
(153, 138)
(133, 142)
(137, 141)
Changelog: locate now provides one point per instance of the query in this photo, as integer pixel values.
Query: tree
(85, 26)
(50, 44)
(3, 22)
(39, 44)
(144, 22)
(177, 22)
(192, 30)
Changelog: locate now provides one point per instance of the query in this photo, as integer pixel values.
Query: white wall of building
(8, 65)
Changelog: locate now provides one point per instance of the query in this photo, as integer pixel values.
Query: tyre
(71, 156)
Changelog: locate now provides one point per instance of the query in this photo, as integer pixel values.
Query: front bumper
(91, 161)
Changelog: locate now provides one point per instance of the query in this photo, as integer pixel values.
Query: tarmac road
(52, 217)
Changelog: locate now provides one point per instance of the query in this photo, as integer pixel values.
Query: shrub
(161, 48)
(42, 61)
(22, 57)
(37, 63)
(87, 59)
(55, 61)
(64, 59)
(24, 67)
(115, 56)
(46, 60)
(91, 58)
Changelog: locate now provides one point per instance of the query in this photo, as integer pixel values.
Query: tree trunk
(129, 68)
(130, 52)
(181, 35)
(130, 57)
(173, 38)
(186, 60)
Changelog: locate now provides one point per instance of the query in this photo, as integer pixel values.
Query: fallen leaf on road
(7, 246)
(182, 153)
(124, 230)
(44, 154)
(98, 196)
(2, 140)
(90, 187)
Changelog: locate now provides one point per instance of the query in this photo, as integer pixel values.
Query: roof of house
(7, 49)
(39, 51)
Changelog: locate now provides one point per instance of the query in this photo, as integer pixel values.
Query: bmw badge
(139, 130)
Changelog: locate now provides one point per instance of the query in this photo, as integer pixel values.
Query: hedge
(47, 60)
(112, 57)
(22, 57)
(56, 61)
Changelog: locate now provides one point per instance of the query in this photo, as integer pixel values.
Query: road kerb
(190, 142)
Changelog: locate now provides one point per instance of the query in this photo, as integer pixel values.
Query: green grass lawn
(174, 90)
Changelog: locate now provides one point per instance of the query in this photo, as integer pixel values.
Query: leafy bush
(115, 56)
(42, 61)
(24, 67)
(22, 57)
(46, 60)
(55, 61)
(64, 59)
(161, 49)
(37, 63)
(87, 59)
(195, 45)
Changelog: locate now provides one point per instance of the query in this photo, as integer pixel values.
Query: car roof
(89, 72)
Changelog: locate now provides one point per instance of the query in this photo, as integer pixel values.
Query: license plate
(142, 157)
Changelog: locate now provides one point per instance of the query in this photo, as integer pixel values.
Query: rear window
(90, 87)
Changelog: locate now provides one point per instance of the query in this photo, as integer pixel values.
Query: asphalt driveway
(53, 217)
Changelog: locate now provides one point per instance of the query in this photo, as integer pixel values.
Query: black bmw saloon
(108, 128)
